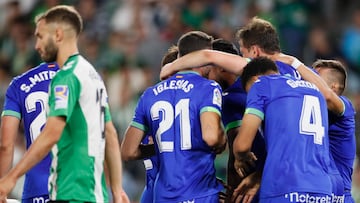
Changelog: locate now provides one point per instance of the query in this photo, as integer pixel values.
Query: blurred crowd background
(126, 39)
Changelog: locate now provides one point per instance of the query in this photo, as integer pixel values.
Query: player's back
(26, 99)
(173, 108)
(296, 123)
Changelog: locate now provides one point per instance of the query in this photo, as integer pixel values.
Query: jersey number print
(168, 118)
(30, 105)
(311, 120)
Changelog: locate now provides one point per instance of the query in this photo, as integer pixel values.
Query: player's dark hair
(338, 71)
(261, 33)
(225, 46)
(63, 14)
(194, 41)
(258, 66)
(170, 56)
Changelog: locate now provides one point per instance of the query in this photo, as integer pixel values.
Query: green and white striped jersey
(78, 93)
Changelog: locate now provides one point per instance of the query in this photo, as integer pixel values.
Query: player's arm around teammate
(205, 57)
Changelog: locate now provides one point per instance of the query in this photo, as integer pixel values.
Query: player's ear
(256, 51)
(59, 34)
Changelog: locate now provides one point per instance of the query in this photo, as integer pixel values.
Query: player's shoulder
(41, 67)
(347, 102)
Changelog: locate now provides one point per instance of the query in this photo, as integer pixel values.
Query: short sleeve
(213, 99)
(139, 119)
(12, 104)
(257, 97)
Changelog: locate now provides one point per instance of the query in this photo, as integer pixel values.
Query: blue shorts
(38, 199)
(299, 197)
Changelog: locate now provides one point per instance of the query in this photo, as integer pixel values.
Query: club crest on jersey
(217, 97)
(61, 96)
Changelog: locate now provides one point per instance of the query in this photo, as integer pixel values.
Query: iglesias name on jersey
(171, 112)
(27, 98)
(296, 135)
(78, 93)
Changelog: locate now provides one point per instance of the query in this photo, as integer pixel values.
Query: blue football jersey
(296, 135)
(170, 111)
(26, 98)
(342, 141)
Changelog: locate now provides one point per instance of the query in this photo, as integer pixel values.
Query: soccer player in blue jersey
(295, 123)
(341, 125)
(183, 115)
(331, 80)
(26, 100)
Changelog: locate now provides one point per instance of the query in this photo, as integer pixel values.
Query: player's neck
(65, 51)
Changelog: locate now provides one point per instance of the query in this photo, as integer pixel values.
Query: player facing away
(295, 119)
(26, 100)
(78, 131)
(183, 115)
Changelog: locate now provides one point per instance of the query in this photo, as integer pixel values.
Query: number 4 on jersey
(311, 120)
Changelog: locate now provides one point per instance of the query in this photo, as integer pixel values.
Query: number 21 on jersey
(168, 118)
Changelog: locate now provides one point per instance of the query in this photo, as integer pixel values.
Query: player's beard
(50, 52)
